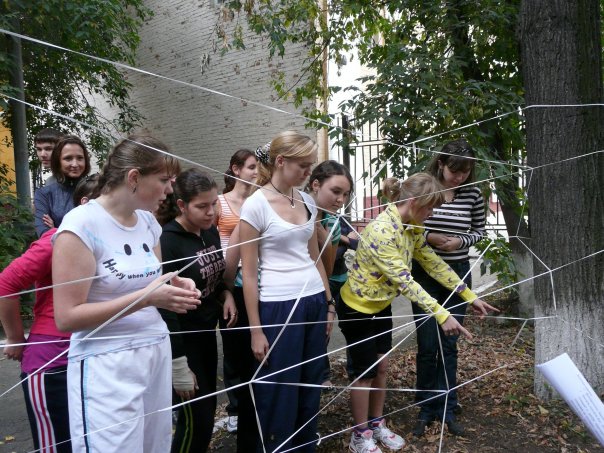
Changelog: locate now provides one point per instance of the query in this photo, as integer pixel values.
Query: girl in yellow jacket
(381, 272)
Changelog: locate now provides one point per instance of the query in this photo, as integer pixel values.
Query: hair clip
(263, 153)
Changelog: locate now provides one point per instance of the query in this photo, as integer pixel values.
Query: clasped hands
(443, 242)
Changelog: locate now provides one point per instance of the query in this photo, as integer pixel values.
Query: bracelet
(331, 311)
(331, 302)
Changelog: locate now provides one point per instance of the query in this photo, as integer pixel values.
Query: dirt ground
(500, 412)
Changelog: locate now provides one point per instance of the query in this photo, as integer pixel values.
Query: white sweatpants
(109, 394)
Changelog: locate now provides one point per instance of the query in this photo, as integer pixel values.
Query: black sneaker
(455, 428)
(420, 427)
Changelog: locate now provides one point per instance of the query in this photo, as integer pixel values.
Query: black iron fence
(361, 158)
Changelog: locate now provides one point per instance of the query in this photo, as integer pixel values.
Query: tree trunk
(18, 119)
(561, 60)
(516, 226)
(506, 189)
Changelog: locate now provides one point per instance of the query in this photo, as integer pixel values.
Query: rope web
(408, 320)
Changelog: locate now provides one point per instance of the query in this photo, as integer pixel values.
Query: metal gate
(361, 160)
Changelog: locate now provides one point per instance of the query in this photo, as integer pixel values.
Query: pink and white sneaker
(386, 437)
(363, 443)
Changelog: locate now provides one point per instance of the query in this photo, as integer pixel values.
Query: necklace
(292, 203)
(449, 196)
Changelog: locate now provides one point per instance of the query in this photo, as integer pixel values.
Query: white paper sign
(570, 383)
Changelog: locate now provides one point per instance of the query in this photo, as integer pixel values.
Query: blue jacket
(56, 200)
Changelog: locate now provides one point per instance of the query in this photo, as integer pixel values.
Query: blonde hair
(422, 187)
(290, 144)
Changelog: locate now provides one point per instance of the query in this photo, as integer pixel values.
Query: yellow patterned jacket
(382, 268)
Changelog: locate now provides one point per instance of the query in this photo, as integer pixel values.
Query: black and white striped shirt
(463, 217)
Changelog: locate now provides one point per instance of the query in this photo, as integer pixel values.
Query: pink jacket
(34, 267)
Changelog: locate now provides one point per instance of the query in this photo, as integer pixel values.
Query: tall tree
(561, 60)
(68, 83)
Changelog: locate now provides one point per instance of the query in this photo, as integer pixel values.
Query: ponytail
(422, 187)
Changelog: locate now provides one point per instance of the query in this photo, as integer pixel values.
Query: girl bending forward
(381, 272)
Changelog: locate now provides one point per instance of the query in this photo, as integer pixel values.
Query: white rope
(520, 109)
(411, 144)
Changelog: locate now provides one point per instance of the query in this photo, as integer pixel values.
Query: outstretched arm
(439, 270)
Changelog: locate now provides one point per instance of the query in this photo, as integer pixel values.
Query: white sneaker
(231, 424)
(387, 437)
(363, 443)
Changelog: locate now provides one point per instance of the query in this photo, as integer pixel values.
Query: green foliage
(16, 232)
(16, 222)
(439, 66)
(498, 260)
(26, 308)
(435, 66)
(65, 82)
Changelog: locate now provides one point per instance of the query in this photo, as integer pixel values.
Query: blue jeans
(435, 369)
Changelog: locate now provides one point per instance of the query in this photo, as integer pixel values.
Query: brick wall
(204, 127)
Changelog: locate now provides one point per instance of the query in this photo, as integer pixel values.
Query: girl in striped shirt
(451, 230)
